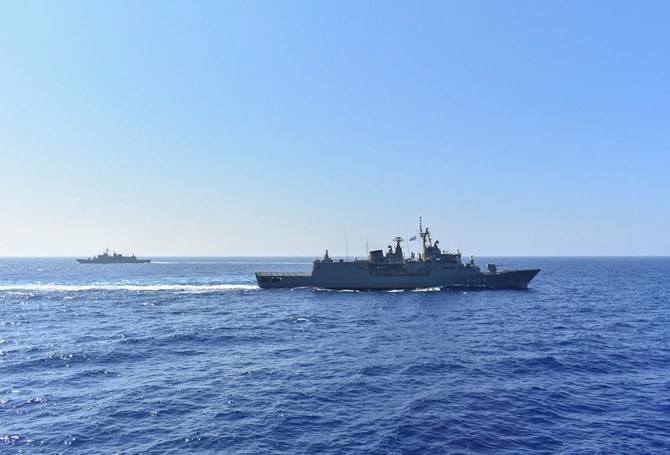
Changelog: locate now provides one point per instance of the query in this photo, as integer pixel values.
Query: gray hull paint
(123, 261)
(361, 275)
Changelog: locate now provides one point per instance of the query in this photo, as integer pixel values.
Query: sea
(188, 355)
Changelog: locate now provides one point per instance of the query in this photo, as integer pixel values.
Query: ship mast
(425, 237)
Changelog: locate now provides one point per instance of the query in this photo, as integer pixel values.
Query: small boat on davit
(432, 268)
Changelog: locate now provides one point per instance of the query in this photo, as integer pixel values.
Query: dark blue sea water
(189, 356)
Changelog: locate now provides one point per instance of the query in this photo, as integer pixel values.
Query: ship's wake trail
(188, 288)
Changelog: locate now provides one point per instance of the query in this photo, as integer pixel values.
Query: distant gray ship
(432, 268)
(114, 258)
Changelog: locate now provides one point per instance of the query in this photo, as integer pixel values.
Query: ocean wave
(191, 288)
(433, 289)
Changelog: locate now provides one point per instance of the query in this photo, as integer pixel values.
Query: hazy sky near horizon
(280, 127)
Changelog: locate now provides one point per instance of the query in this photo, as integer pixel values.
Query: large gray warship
(432, 268)
(113, 258)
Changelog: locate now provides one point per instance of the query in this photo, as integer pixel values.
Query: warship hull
(361, 275)
(115, 261)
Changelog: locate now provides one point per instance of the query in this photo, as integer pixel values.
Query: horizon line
(351, 256)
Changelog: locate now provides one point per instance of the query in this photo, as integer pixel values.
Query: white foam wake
(194, 288)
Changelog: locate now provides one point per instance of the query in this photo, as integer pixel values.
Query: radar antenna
(399, 255)
(425, 237)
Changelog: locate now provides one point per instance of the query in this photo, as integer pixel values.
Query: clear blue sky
(275, 127)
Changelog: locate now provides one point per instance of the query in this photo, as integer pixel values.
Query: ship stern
(273, 280)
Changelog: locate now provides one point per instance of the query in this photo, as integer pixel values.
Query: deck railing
(283, 274)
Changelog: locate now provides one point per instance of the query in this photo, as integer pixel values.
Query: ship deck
(283, 274)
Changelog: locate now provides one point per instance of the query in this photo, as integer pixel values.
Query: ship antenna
(425, 237)
(406, 240)
(346, 244)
